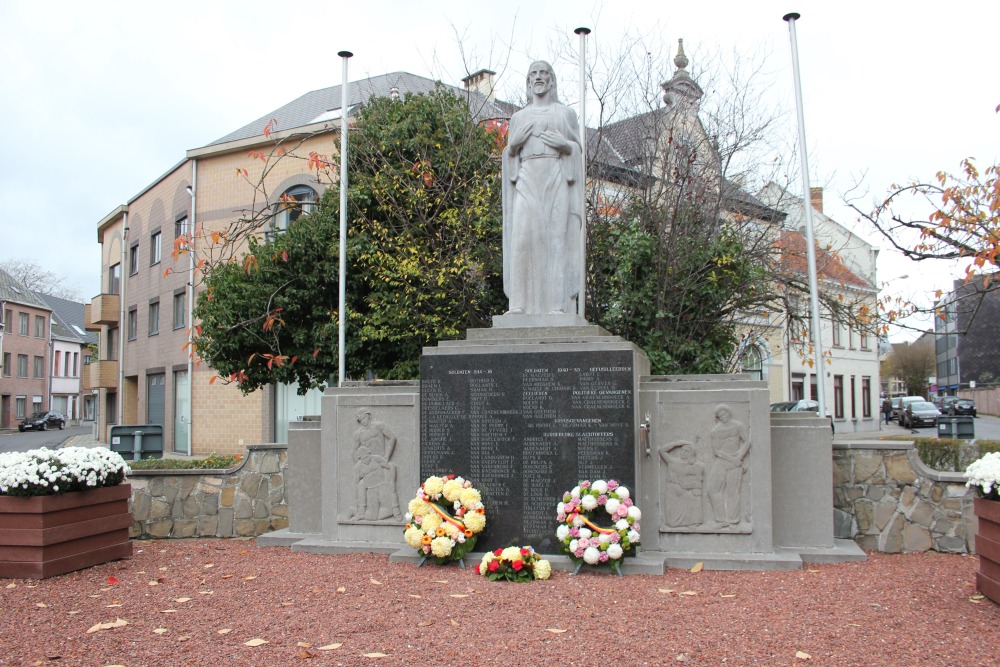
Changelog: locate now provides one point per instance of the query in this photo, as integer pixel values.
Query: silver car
(920, 413)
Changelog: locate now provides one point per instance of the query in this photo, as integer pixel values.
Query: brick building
(24, 350)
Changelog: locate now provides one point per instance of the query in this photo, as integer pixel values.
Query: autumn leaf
(376, 582)
(112, 580)
(257, 641)
(330, 647)
(555, 631)
(799, 655)
(424, 624)
(688, 593)
(223, 631)
(665, 590)
(160, 631)
(341, 589)
(117, 623)
(458, 595)
(727, 595)
(698, 567)
(374, 655)
(414, 595)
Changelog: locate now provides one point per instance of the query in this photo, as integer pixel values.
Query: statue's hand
(553, 139)
(519, 136)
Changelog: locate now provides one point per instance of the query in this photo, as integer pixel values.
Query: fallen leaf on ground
(440, 581)
(813, 571)
(376, 582)
(208, 565)
(682, 657)
(249, 577)
(424, 624)
(728, 595)
(305, 655)
(330, 647)
(341, 589)
(154, 583)
(182, 599)
(112, 580)
(41, 604)
(257, 641)
(453, 622)
(227, 576)
(414, 595)
(977, 597)
(799, 655)
(160, 631)
(205, 592)
(116, 604)
(169, 611)
(374, 655)
(75, 611)
(304, 645)
(698, 567)
(11, 585)
(688, 593)
(183, 638)
(557, 631)
(458, 595)
(287, 604)
(665, 590)
(223, 631)
(117, 623)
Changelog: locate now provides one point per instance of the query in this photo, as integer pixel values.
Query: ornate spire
(681, 88)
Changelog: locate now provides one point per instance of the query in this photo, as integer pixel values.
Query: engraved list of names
(525, 428)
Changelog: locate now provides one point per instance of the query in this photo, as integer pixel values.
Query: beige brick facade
(222, 419)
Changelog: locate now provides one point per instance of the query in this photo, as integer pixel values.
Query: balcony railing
(101, 374)
(104, 309)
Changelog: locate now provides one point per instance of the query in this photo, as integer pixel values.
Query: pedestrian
(886, 409)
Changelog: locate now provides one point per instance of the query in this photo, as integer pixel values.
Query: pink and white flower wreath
(582, 515)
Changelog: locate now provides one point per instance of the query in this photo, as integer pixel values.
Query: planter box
(988, 548)
(43, 536)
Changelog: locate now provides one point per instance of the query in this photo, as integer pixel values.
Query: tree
(963, 224)
(913, 363)
(37, 279)
(423, 247)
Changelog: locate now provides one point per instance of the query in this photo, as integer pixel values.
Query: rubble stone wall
(887, 500)
(244, 501)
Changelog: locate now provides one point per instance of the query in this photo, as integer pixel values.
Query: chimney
(816, 196)
(481, 82)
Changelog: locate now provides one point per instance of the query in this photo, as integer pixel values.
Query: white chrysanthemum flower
(561, 508)
(585, 532)
(615, 552)
(633, 536)
(604, 538)
(612, 505)
(634, 513)
(573, 544)
(562, 532)
(591, 555)
(588, 502)
(577, 520)
(600, 486)
(621, 524)
(575, 492)
(622, 492)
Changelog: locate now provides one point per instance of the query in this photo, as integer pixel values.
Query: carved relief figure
(683, 479)
(730, 444)
(374, 444)
(542, 202)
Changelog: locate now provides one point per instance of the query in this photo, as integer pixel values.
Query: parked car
(920, 413)
(896, 410)
(962, 406)
(40, 421)
(803, 405)
(944, 401)
(903, 402)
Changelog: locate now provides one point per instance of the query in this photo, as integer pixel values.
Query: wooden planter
(43, 536)
(988, 548)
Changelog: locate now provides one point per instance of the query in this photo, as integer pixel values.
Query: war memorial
(543, 399)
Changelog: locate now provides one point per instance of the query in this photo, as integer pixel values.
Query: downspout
(121, 320)
(190, 306)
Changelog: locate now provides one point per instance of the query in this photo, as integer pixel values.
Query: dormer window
(293, 204)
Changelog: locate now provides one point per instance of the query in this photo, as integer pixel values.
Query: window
(8, 318)
(154, 248)
(22, 365)
(133, 322)
(133, 259)
(74, 369)
(838, 396)
(22, 324)
(114, 279)
(39, 367)
(836, 332)
(751, 363)
(854, 410)
(111, 351)
(6, 364)
(21, 407)
(154, 317)
(798, 386)
(866, 397)
(813, 391)
(39, 326)
(55, 368)
(295, 202)
(850, 336)
(181, 227)
(864, 339)
(180, 308)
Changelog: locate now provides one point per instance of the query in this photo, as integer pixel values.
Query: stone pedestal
(988, 547)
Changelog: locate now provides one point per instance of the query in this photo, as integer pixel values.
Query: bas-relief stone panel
(703, 467)
(376, 455)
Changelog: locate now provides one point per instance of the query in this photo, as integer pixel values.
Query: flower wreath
(583, 537)
(514, 564)
(445, 519)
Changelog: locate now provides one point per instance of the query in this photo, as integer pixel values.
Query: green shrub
(211, 462)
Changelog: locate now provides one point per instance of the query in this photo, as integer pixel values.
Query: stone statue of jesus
(542, 202)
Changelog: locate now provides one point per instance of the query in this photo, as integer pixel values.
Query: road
(22, 442)
(987, 428)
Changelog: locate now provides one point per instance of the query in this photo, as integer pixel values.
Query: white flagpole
(581, 301)
(810, 238)
(345, 55)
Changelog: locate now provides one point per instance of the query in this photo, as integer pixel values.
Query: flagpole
(582, 298)
(344, 125)
(814, 330)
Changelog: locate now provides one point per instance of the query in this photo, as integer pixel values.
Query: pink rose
(603, 557)
(584, 485)
(612, 485)
(574, 532)
(602, 500)
(615, 538)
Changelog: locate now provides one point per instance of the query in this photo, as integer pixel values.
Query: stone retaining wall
(887, 500)
(244, 501)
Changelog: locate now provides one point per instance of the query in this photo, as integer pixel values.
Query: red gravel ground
(200, 602)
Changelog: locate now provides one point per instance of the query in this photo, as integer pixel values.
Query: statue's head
(541, 67)
(363, 415)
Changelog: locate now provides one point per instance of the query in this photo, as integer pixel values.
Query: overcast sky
(101, 98)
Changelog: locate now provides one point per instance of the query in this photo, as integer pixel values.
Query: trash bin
(959, 426)
(137, 441)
